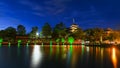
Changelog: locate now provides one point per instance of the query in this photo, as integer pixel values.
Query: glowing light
(63, 41)
(83, 42)
(19, 41)
(69, 56)
(37, 34)
(114, 58)
(27, 44)
(9, 44)
(63, 52)
(58, 40)
(70, 40)
(101, 51)
(51, 51)
(87, 49)
(36, 56)
(1, 40)
(82, 50)
(51, 43)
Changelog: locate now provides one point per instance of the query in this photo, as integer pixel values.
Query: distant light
(37, 33)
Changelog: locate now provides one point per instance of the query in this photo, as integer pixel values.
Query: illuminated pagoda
(108, 31)
(73, 27)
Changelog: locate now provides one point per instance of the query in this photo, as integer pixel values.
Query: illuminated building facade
(73, 27)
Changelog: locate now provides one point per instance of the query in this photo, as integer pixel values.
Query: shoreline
(60, 44)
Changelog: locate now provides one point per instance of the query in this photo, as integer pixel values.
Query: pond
(76, 56)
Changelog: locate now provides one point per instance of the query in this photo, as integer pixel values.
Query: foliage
(62, 40)
(28, 41)
(46, 30)
(58, 40)
(1, 40)
(10, 34)
(114, 35)
(33, 32)
(21, 30)
(2, 34)
(94, 34)
(59, 31)
(78, 34)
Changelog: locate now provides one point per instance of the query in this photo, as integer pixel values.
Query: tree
(113, 36)
(2, 34)
(46, 30)
(59, 31)
(21, 30)
(63, 40)
(10, 34)
(33, 32)
(78, 34)
(94, 34)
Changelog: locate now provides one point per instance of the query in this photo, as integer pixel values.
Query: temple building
(108, 31)
(73, 27)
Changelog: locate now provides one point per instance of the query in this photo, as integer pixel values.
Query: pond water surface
(36, 56)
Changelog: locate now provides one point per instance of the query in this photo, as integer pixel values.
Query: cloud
(59, 11)
(35, 8)
(52, 7)
(82, 15)
(38, 14)
(56, 6)
(32, 5)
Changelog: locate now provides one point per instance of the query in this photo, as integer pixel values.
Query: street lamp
(37, 34)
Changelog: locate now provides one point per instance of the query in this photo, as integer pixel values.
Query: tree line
(59, 31)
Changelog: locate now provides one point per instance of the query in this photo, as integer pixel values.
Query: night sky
(87, 13)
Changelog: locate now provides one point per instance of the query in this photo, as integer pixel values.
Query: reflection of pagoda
(73, 27)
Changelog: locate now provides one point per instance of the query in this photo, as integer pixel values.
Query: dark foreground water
(59, 57)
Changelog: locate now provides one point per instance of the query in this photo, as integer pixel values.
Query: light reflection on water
(114, 58)
(61, 56)
(36, 56)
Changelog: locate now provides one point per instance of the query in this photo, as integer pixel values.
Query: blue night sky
(87, 13)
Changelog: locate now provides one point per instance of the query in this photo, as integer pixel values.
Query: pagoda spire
(73, 21)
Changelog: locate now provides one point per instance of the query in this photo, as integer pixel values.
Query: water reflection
(57, 52)
(69, 56)
(88, 49)
(82, 49)
(36, 56)
(51, 50)
(59, 57)
(114, 58)
(18, 51)
(64, 54)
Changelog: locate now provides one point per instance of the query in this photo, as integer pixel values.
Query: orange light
(114, 59)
